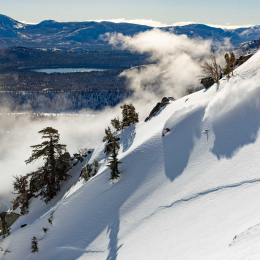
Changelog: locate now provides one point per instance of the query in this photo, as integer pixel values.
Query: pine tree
(113, 161)
(133, 116)
(129, 115)
(125, 116)
(89, 169)
(108, 137)
(56, 164)
(84, 174)
(21, 186)
(95, 167)
(232, 62)
(227, 69)
(34, 246)
(116, 123)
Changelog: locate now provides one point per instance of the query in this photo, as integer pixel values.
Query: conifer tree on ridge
(21, 186)
(129, 115)
(56, 164)
(113, 161)
(108, 135)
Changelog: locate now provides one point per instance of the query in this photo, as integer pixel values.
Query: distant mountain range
(250, 47)
(86, 35)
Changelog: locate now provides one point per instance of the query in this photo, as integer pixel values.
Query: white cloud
(230, 27)
(158, 24)
(27, 22)
(174, 58)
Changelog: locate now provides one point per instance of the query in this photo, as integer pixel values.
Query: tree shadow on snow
(113, 230)
(179, 143)
(127, 137)
(237, 128)
(101, 201)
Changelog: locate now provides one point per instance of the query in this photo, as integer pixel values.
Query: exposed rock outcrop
(7, 220)
(207, 82)
(243, 59)
(165, 101)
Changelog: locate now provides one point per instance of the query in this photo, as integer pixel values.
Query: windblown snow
(192, 194)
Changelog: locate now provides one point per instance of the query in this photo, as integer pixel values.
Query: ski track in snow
(198, 195)
(206, 192)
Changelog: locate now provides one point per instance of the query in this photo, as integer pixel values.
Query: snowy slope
(193, 194)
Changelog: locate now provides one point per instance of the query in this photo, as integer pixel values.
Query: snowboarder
(166, 131)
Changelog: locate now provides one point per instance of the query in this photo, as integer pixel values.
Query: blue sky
(235, 12)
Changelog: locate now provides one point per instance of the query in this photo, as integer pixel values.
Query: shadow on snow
(177, 150)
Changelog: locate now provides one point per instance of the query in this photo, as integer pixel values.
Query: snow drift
(193, 194)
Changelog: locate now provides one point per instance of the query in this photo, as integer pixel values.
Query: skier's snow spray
(237, 91)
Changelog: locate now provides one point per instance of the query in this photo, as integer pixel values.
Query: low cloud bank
(18, 133)
(158, 24)
(175, 62)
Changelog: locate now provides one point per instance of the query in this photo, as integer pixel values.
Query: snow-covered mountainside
(192, 194)
(249, 47)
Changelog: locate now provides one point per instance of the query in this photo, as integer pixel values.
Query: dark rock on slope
(165, 101)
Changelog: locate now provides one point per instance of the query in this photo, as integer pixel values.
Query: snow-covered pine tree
(95, 167)
(56, 164)
(113, 161)
(34, 246)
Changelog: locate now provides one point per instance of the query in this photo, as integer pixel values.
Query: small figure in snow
(166, 130)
